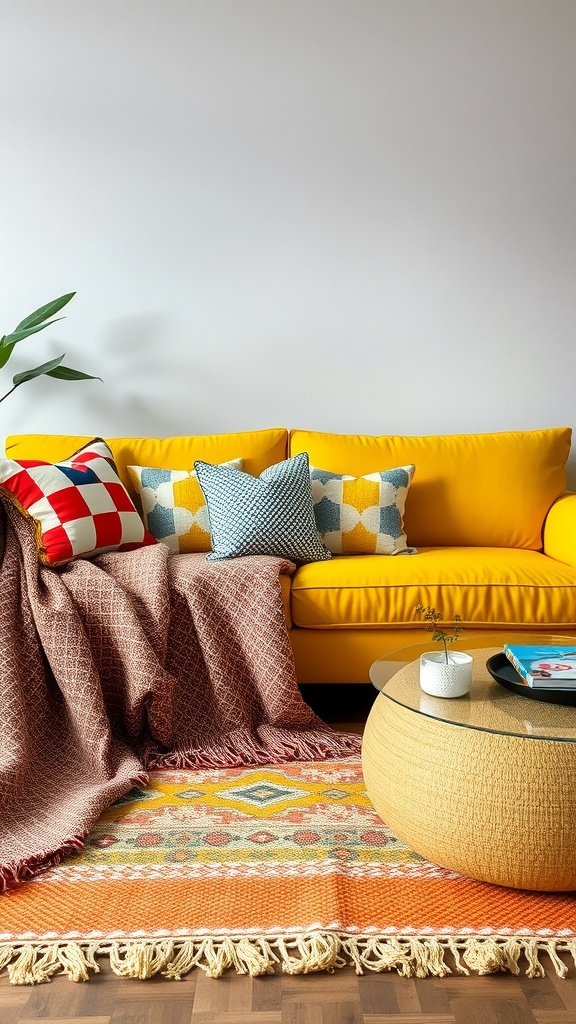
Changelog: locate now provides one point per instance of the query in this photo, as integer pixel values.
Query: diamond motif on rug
(261, 794)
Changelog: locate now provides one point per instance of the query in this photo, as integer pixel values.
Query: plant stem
(445, 648)
(8, 393)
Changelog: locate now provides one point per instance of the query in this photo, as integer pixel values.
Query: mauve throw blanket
(131, 661)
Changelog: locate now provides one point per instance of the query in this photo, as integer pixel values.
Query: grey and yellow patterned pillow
(362, 515)
(174, 507)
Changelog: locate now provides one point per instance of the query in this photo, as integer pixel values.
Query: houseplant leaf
(20, 334)
(5, 352)
(37, 321)
(66, 373)
(36, 371)
(44, 312)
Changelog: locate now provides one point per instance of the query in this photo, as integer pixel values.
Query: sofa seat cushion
(485, 586)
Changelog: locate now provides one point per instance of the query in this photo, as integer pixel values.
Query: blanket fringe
(19, 871)
(419, 957)
(268, 745)
(14, 872)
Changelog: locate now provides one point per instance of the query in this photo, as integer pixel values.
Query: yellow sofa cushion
(492, 490)
(258, 449)
(485, 586)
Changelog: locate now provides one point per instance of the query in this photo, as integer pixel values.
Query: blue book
(542, 666)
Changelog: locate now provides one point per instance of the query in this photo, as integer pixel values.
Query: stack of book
(544, 667)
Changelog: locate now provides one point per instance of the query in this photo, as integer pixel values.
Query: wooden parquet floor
(340, 998)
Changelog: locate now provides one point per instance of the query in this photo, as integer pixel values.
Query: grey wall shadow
(140, 354)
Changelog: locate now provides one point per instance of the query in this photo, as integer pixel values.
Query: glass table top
(489, 706)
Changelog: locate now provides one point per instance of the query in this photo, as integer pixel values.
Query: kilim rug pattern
(262, 869)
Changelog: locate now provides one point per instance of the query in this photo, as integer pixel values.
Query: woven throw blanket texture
(131, 661)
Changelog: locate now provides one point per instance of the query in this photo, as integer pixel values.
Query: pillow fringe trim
(37, 525)
(410, 956)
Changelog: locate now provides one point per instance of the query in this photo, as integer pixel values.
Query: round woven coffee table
(483, 784)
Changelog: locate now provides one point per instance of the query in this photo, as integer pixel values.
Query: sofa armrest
(560, 529)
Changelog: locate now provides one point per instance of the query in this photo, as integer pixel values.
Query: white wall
(352, 215)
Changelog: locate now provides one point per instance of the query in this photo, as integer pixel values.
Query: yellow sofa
(494, 529)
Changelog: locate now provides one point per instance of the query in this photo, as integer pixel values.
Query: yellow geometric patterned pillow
(173, 506)
(362, 515)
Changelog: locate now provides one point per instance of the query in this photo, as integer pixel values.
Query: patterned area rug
(279, 868)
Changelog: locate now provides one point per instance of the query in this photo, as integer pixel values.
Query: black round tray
(504, 673)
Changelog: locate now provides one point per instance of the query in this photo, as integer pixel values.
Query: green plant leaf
(11, 339)
(41, 314)
(5, 352)
(36, 371)
(65, 373)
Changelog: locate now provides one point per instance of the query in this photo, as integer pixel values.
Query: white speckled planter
(445, 680)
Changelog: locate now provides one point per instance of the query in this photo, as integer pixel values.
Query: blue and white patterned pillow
(271, 514)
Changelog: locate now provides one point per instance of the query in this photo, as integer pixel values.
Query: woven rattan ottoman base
(494, 806)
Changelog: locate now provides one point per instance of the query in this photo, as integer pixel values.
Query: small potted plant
(444, 673)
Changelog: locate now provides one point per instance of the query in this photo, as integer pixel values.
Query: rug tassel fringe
(140, 959)
(254, 957)
(559, 965)
(418, 956)
(319, 951)
(77, 961)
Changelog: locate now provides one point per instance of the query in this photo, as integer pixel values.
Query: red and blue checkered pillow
(81, 506)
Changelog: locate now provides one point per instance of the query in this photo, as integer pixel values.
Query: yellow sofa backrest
(488, 490)
(258, 448)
